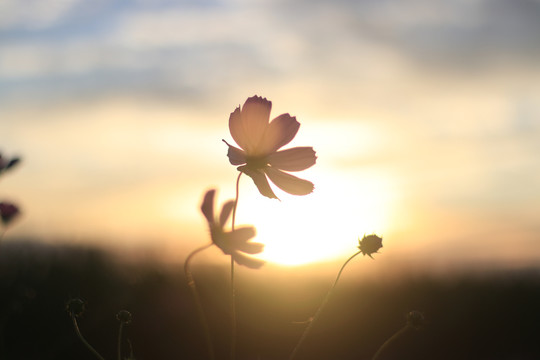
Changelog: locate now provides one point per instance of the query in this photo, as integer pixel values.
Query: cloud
(203, 48)
(34, 14)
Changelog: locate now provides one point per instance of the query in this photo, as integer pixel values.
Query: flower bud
(75, 307)
(124, 317)
(415, 319)
(370, 244)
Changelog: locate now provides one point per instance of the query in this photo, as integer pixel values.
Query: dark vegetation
(495, 315)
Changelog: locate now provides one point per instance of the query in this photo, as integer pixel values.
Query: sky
(425, 116)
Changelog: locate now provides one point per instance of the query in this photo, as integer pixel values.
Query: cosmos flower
(259, 142)
(8, 212)
(370, 244)
(235, 242)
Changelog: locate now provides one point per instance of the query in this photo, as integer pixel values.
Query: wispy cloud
(170, 44)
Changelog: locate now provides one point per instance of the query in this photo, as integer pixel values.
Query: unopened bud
(370, 244)
(124, 317)
(75, 307)
(415, 319)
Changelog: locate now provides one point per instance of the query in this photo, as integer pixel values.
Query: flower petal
(225, 212)
(295, 159)
(236, 127)
(279, 133)
(13, 162)
(207, 206)
(239, 240)
(289, 183)
(241, 235)
(248, 261)
(250, 247)
(229, 241)
(260, 181)
(255, 116)
(236, 156)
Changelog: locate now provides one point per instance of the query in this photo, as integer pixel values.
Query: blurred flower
(8, 164)
(8, 212)
(260, 140)
(370, 244)
(235, 242)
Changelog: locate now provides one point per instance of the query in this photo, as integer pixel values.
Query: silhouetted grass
(494, 315)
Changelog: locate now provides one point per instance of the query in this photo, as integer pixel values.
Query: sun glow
(319, 226)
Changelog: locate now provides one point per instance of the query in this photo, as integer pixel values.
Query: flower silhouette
(235, 242)
(370, 244)
(259, 142)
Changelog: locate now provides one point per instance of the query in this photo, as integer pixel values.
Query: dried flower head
(124, 317)
(75, 307)
(370, 244)
(8, 212)
(259, 142)
(235, 242)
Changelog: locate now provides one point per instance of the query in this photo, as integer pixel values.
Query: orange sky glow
(433, 148)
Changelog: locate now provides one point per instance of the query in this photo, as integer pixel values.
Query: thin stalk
(233, 313)
(320, 309)
(131, 357)
(233, 295)
(398, 334)
(76, 326)
(195, 293)
(236, 200)
(119, 347)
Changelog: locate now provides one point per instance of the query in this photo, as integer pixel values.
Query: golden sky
(425, 117)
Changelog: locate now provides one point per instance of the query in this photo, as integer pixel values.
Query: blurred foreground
(488, 315)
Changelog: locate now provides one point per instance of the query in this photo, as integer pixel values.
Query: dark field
(495, 315)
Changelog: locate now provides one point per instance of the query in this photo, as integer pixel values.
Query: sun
(321, 226)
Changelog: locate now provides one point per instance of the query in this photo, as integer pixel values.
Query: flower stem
(320, 309)
(398, 334)
(121, 327)
(236, 200)
(233, 313)
(233, 295)
(195, 293)
(76, 326)
(131, 357)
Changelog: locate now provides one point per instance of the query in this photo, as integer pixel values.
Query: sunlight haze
(425, 117)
